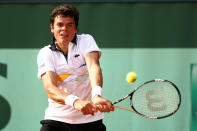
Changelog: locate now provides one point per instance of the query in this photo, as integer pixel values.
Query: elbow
(54, 96)
(50, 93)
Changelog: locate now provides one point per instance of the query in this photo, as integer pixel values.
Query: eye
(59, 24)
(69, 26)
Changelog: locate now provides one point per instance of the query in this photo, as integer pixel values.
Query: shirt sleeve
(45, 62)
(88, 44)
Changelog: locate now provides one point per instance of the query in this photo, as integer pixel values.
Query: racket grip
(123, 108)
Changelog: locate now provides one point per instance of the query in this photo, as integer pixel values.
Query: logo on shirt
(77, 55)
(41, 63)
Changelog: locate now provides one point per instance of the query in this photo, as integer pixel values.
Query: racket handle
(123, 108)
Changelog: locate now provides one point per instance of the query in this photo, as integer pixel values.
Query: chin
(63, 40)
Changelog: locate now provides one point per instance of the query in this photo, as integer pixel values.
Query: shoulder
(45, 54)
(85, 40)
(84, 37)
(86, 44)
(45, 50)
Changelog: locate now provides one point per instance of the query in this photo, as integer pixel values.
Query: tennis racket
(154, 99)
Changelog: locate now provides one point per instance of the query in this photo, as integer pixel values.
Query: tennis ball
(131, 77)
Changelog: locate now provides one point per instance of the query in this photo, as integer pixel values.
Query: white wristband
(97, 90)
(70, 99)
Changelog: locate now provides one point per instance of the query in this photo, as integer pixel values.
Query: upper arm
(49, 79)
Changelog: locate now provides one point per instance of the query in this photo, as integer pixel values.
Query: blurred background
(154, 38)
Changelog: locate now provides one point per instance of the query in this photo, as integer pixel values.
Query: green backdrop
(156, 40)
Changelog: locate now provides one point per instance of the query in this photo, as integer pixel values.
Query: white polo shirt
(72, 77)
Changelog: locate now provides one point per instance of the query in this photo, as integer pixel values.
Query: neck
(63, 47)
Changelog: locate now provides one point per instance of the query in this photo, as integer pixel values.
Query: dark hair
(65, 10)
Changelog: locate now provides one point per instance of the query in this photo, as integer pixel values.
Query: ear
(52, 28)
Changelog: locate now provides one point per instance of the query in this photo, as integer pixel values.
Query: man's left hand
(102, 104)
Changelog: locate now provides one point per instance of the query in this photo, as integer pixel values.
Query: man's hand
(86, 107)
(102, 104)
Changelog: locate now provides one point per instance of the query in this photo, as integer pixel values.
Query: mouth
(64, 35)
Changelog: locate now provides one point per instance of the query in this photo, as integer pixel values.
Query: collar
(54, 47)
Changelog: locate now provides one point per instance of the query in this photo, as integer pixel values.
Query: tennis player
(75, 100)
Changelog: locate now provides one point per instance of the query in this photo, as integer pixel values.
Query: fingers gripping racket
(155, 99)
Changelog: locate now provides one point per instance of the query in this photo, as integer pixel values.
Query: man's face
(64, 29)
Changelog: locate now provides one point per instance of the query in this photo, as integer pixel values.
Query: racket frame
(133, 108)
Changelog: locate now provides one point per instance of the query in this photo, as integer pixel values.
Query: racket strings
(155, 99)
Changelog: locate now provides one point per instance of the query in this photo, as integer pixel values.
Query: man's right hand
(86, 107)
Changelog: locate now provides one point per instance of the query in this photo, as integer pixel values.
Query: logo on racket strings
(155, 100)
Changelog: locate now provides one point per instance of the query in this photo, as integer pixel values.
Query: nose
(63, 28)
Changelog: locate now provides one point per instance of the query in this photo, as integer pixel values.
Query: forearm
(52, 90)
(61, 97)
(56, 94)
(96, 78)
(95, 73)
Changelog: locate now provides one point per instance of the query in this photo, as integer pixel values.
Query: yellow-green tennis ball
(131, 77)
